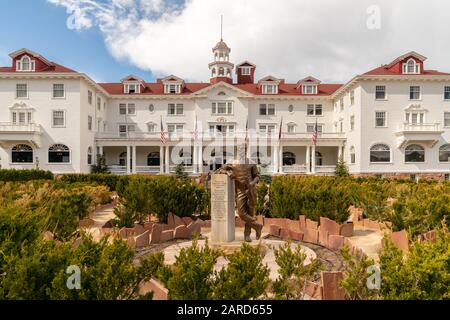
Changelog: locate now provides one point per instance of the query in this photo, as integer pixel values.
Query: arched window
(221, 93)
(22, 153)
(414, 153)
(411, 66)
(288, 158)
(25, 63)
(123, 159)
(444, 153)
(59, 153)
(352, 155)
(153, 159)
(89, 155)
(213, 72)
(319, 159)
(228, 72)
(380, 153)
(221, 71)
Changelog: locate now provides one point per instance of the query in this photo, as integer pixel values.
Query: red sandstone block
(335, 242)
(329, 225)
(181, 232)
(400, 240)
(330, 284)
(297, 236)
(346, 229)
(156, 233)
(285, 234)
(195, 228)
(187, 220)
(166, 236)
(239, 223)
(311, 235)
(138, 229)
(323, 237)
(293, 225)
(302, 221)
(142, 240)
(174, 221)
(274, 230)
(311, 224)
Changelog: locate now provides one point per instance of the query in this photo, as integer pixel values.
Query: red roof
(384, 71)
(57, 68)
(158, 88)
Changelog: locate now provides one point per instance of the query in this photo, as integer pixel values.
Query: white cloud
(291, 39)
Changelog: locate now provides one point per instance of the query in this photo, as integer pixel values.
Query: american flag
(163, 133)
(315, 136)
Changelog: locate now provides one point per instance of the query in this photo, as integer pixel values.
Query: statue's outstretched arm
(225, 169)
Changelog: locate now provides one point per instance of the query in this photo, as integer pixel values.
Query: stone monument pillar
(222, 209)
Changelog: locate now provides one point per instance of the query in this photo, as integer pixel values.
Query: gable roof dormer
(269, 85)
(132, 84)
(25, 60)
(308, 85)
(173, 85)
(409, 63)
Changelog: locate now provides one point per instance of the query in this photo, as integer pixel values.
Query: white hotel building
(393, 120)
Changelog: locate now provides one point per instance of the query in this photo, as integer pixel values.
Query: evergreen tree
(341, 169)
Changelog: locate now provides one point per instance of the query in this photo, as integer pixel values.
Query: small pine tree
(341, 168)
(180, 173)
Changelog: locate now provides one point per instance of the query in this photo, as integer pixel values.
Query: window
(25, 64)
(21, 90)
(266, 129)
(319, 159)
(352, 123)
(59, 153)
(269, 89)
(89, 156)
(417, 117)
(151, 127)
(123, 159)
(59, 118)
(125, 129)
(380, 92)
(341, 104)
(22, 153)
(172, 88)
(89, 123)
(127, 109)
(411, 67)
(414, 93)
(175, 129)
(310, 127)
(132, 88)
(220, 129)
(352, 155)
(288, 159)
(380, 153)
(414, 153)
(153, 159)
(446, 119)
(222, 108)
(352, 97)
(58, 91)
(291, 108)
(447, 93)
(246, 71)
(309, 89)
(22, 117)
(266, 109)
(89, 96)
(444, 153)
(99, 103)
(175, 109)
(380, 119)
(291, 128)
(314, 110)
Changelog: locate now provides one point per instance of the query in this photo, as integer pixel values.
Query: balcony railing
(420, 127)
(10, 127)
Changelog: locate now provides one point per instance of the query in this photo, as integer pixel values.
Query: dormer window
(172, 88)
(269, 89)
(25, 64)
(246, 71)
(132, 88)
(309, 89)
(411, 67)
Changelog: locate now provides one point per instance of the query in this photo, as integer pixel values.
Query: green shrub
(110, 180)
(24, 175)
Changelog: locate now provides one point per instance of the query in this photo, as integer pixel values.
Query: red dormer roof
(153, 88)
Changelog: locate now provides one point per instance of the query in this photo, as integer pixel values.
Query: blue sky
(328, 39)
(41, 27)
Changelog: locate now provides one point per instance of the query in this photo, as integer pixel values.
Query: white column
(161, 159)
(308, 159)
(280, 159)
(167, 159)
(313, 164)
(195, 159)
(340, 152)
(133, 148)
(100, 150)
(200, 159)
(128, 159)
(275, 158)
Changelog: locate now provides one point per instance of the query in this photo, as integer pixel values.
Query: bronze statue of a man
(246, 176)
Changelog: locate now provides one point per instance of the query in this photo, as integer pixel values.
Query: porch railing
(325, 169)
(296, 168)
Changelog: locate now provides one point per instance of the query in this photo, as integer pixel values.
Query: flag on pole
(163, 134)
(246, 131)
(315, 136)
(280, 131)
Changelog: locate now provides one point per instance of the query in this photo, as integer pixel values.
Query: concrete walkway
(368, 240)
(102, 215)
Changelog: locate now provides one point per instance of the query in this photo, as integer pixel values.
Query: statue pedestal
(222, 209)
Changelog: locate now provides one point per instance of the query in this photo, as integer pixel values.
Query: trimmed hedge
(24, 175)
(114, 182)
